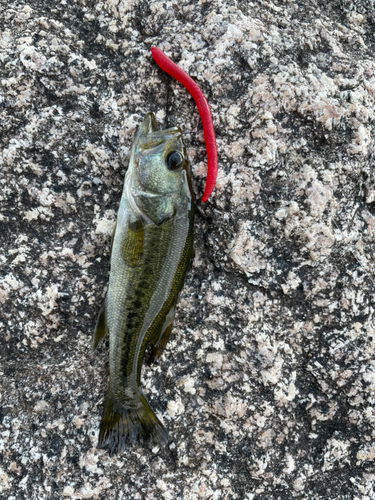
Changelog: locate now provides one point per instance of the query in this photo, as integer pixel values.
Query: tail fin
(123, 425)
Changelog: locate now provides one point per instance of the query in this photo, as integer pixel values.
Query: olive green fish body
(151, 252)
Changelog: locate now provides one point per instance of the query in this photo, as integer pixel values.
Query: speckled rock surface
(267, 387)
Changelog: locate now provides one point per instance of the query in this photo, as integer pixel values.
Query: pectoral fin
(132, 247)
(100, 329)
(157, 347)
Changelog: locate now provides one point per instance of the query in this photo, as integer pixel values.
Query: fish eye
(175, 160)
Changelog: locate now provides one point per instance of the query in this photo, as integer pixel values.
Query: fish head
(160, 174)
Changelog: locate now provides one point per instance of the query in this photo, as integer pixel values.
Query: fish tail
(132, 422)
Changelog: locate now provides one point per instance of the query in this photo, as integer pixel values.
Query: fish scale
(131, 286)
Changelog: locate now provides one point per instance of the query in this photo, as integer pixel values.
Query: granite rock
(268, 385)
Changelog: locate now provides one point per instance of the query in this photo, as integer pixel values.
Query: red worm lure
(204, 112)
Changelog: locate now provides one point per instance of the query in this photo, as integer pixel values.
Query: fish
(151, 252)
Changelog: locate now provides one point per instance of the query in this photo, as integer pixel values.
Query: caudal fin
(122, 426)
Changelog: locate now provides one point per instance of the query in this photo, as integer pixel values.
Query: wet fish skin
(151, 252)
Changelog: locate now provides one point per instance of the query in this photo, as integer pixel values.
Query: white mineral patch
(246, 251)
(105, 226)
(293, 281)
(319, 241)
(245, 185)
(189, 385)
(41, 406)
(336, 454)
(175, 408)
(68, 491)
(216, 359)
(366, 453)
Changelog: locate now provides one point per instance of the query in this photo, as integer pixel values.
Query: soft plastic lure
(204, 111)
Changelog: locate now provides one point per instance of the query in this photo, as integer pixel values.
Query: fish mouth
(149, 128)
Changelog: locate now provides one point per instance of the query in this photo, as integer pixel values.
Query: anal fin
(159, 344)
(100, 329)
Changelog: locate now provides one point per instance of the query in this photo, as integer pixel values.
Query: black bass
(151, 252)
